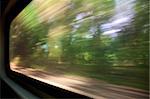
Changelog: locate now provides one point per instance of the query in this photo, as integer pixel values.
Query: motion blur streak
(92, 47)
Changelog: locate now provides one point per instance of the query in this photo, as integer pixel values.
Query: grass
(128, 76)
(131, 76)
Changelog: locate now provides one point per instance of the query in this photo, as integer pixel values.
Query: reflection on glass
(96, 40)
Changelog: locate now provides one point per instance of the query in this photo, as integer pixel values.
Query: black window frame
(38, 88)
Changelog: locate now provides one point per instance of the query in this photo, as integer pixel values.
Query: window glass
(88, 46)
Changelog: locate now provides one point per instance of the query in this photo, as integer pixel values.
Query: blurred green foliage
(70, 34)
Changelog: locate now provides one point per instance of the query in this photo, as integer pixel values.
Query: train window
(91, 47)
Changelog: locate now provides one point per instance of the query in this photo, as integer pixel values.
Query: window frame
(36, 87)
